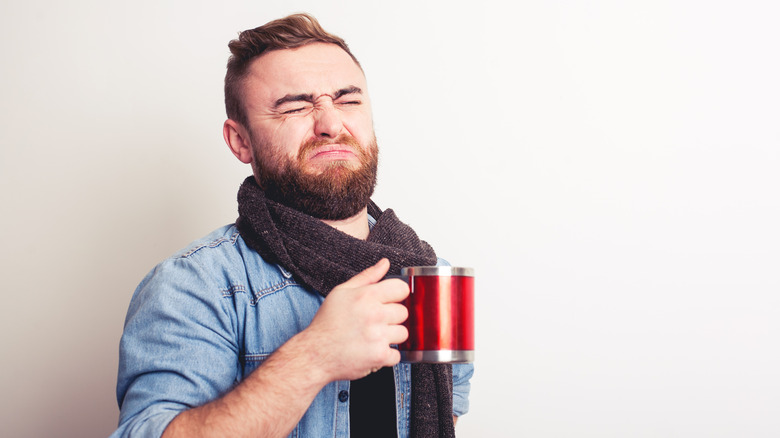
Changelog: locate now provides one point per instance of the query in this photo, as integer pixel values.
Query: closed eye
(294, 103)
(293, 108)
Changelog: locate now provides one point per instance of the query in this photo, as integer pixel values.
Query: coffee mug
(441, 315)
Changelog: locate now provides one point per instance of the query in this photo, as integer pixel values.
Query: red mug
(441, 315)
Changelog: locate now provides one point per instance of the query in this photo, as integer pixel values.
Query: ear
(237, 138)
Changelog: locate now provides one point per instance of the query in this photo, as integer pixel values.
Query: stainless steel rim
(438, 356)
(437, 270)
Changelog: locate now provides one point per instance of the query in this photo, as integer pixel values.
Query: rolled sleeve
(461, 386)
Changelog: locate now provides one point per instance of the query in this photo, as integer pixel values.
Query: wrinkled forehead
(316, 69)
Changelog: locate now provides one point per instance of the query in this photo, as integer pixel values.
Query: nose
(327, 120)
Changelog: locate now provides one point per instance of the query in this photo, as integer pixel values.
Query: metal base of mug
(438, 356)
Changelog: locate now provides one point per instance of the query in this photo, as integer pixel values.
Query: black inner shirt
(372, 406)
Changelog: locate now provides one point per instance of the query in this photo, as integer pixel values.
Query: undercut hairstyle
(285, 33)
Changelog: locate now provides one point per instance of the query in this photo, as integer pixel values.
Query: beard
(338, 192)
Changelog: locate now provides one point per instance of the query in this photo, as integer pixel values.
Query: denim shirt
(203, 320)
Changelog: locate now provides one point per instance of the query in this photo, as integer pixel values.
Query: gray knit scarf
(321, 257)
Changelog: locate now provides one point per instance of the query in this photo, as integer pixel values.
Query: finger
(370, 275)
(392, 357)
(392, 291)
(397, 334)
(395, 313)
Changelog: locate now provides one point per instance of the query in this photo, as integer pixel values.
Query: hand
(349, 337)
(353, 329)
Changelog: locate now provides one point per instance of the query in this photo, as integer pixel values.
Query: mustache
(344, 139)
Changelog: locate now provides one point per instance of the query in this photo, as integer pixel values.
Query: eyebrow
(294, 98)
(310, 97)
(349, 90)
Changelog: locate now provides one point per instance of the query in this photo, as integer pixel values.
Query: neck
(356, 226)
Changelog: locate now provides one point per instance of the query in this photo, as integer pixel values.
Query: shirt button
(343, 396)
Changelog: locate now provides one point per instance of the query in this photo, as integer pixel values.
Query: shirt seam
(212, 244)
(256, 296)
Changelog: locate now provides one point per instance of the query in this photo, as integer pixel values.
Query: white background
(610, 168)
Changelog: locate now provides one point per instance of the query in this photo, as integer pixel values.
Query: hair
(285, 33)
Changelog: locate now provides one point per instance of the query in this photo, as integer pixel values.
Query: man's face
(311, 130)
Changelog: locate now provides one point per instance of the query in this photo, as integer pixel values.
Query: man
(283, 324)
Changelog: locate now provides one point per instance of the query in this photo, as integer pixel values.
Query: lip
(333, 151)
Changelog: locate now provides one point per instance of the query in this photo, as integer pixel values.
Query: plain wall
(610, 169)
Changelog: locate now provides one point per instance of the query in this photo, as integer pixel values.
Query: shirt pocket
(250, 362)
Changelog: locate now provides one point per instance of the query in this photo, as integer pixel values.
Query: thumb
(370, 275)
